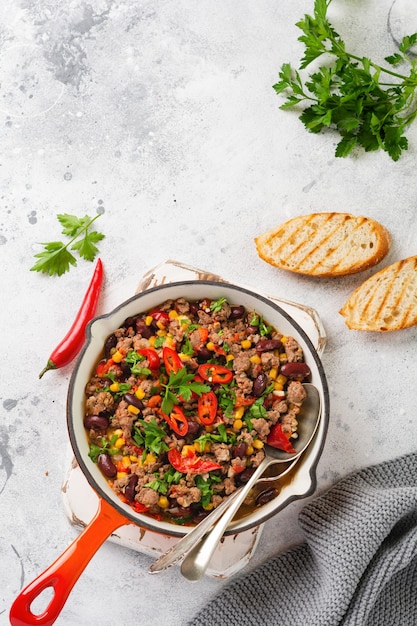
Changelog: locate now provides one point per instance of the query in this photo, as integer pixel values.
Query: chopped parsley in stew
(183, 401)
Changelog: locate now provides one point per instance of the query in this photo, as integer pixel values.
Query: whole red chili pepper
(73, 341)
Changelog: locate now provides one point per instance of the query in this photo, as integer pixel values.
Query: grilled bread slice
(386, 301)
(325, 244)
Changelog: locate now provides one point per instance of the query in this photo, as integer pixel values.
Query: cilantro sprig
(57, 258)
(369, 105)
(182, 384)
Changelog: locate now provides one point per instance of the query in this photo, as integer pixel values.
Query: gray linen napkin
(357, 567)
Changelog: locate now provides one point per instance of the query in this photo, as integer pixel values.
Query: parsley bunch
(56, 257)
(349, 93)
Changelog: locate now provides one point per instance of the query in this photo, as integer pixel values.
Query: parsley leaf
(56, 258)
(216, 305)
(182, 384)
(150, 436)
(348, 94)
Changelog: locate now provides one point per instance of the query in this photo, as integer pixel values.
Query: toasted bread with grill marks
(325, 244)
(386, 301)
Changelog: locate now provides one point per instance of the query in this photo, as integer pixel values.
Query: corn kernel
(163, 502)
(119, 443)
(188, 449)
(173, 315)
(161, 332)
(283, 357)
(210, 345)
(246, 344)
(237, 425)
(273, 373)
(238, 413)
(284, 339)
(170, 342)
(281, 379)
(278, 387)
(114, 387)
(120, 475)
(133, 458)
(152, 341)
(258, 444)
(229, 358)
(126, 461)
(148, 320)
(184, 357)
(208, 507)
(255, 359)
(249, 450)
(133, 409)
(140, 394)
(118, 432)
(150, 458)
(117, 356)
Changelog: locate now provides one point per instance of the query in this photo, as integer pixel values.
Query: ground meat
(296, 392)
(262, 427)
(289, 421)
(124, 344)
(244, 383)
(241, 363)
(182, 306)
(184, 494)
(293, 350)
(103, 402)
(221, 451)
(124, 418)
(94, 385)
(148, 497)
(269, 360)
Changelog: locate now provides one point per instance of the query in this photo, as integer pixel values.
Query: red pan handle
(62, 575)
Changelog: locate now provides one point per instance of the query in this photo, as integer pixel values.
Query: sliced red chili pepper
(242, 401)
(138, 507)
(215, 373)
(203, 334)
(177, 421)
(278, 439)
(172, 361)
(152, 356)
(207, 408)
(73, 341)
(192, 464)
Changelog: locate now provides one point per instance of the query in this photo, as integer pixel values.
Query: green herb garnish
(133, 359)
(349, 93)
(181, 384)
(56, 257)
(106, 447)
(216, 305)
(149, 436)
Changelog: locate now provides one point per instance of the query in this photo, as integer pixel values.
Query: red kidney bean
(203, 355)
(194, 308)
(252, 330)
(106, 465)
(268, 345)
(143, 329)
(96, 422)
(109, 344)
(130, 490)
(259, 384)
(193, 428)
(266, 496)
(236, 312)
(239, 449)
(180, 511)
(295, 370)
(133, 400)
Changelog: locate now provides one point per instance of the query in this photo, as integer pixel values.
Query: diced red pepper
(203, 334)
(242, 401)
(152, 356)
(138, 507)
(191, 463)
(103, 367)
(215, 373)
(207, 408)
(177, 421)
(278, 439)
(219, 350)
(172, 361)
(160, 316)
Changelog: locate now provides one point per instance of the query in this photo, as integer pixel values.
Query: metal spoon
(198, 551)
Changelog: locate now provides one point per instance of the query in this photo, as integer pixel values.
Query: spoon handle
(182, 547)
(198, 557)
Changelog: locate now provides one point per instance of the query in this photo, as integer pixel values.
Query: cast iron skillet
(61, 576)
